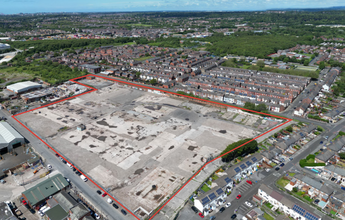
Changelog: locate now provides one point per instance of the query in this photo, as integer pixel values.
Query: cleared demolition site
(140, 145)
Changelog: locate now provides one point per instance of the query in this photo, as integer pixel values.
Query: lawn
(141, 25)
(283, 182)
(268, 217)
(205, 188)
(273, 164)
(269, 205)
(143, 58)
(308, 198)
(214, 177)
(333, 212)
(308, 68)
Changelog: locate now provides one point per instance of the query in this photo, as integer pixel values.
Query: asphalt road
(87, 189)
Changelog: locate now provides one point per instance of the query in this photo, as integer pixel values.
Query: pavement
(87, 189)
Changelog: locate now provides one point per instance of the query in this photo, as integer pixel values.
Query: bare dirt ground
(140, 145)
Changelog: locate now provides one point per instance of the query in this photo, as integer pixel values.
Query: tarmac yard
(139, 145)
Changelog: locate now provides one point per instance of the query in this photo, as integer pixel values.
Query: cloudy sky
(31, 6)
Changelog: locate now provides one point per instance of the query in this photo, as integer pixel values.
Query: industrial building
(9, 138)
(44, 190)
(23, 87)
(4, 46)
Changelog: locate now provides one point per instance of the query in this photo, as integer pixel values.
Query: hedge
(303, 163)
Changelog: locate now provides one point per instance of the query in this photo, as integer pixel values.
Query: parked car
(201, 215)
(221, 209)
(228, 205)
(109, 200)
(343, 188)
(67, 180)
(63, 161)
(73, 169)
(233, 216)
(97, 216)
(282, 164)
(250, 182)
(123, 212)
(195, 209)
(249, 204)
(83, 178)
(115, 206)
(238, 197)
(49, 167)
(316, 201)
(104, 194)
(57, 155)
(267, 170)
(99, 192)
(78, 173)
(277, 168)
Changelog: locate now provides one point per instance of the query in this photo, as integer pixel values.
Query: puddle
(138, 171)
(191, 148)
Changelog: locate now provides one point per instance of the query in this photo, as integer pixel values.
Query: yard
(205, 188)
(269, 205)
(268, 217)
(292, 174)
(283, 182)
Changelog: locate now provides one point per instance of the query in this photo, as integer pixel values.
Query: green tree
(260, 63)
(249, 106)
(153, 81)
(322, 65)
(306, 62)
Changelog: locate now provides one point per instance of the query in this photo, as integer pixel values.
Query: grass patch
(333, 212)
(214, 177)
(143, 58)
(283, 182)
(292, 174)
(268, 217)
(268, 205)
(205, 188)
(273, 164)
(308, 198)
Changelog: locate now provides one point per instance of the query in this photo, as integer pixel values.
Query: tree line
(248, 148)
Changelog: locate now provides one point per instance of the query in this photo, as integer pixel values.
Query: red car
(201, 215)
(250, 182)
(24, 202)
(104, 194)
(238, 197)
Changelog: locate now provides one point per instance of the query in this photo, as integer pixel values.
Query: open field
(139, 145)
(308, 68)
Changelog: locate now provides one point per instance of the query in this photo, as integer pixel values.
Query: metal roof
(23, 86)
(45, 189)
(56, 213)
(7, 133)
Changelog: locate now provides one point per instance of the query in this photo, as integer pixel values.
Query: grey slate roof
(325, 155)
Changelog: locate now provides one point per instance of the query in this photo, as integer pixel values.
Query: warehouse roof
(7, 133)
(23, 86)
(56, 213)
(45, 189)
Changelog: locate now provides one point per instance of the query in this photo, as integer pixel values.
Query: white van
(83, 178)
(69, 165)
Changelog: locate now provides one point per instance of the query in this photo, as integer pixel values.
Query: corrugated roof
(23, 86)
(7, 133)
(45, 189)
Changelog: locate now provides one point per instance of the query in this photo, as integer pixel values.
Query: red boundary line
(146, 87)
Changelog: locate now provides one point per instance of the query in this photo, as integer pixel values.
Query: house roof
(335, 169)
(314, 183)
(65, 200)
(45, 189)
(325, 155)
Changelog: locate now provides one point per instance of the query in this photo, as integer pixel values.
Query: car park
(233, 216)
(123, 212)
(195, 209)
(221, 209)
(115, 206)
(249, 182)
(201, 215)
(99, 192)
(228, 205)
(238, 197)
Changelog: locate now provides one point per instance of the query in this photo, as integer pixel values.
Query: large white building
(9, 138)
(4, 46)
(23, 86)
